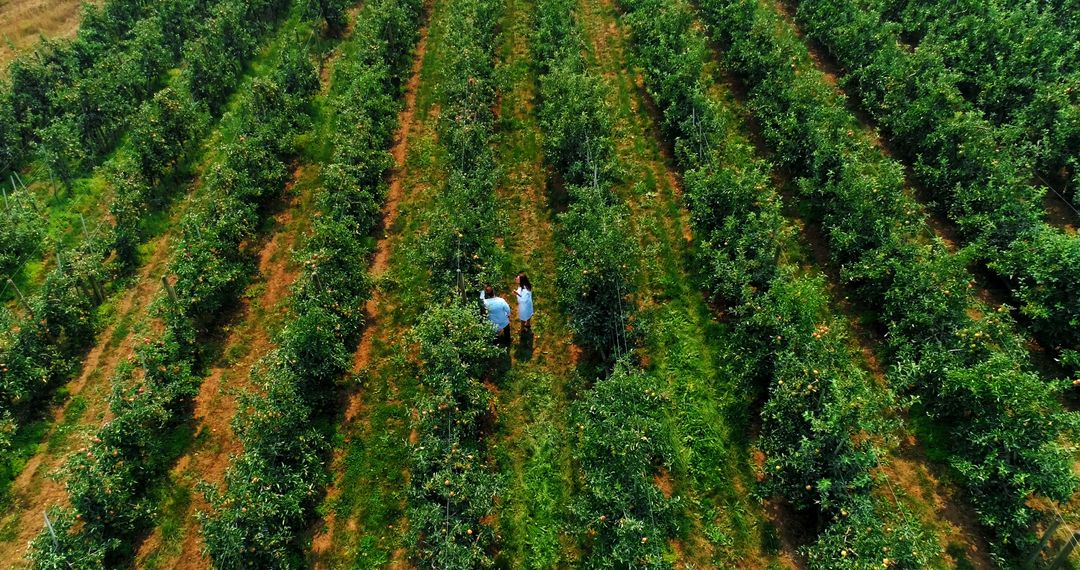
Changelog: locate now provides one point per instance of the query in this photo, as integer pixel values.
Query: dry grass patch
(22, 22)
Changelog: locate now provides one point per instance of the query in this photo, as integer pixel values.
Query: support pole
(169, 288)
(52, 531)
(95, 289)
(1042, 543)
(1065, 551)
(22, 299)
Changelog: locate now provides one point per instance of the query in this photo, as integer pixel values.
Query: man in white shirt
(498, 312)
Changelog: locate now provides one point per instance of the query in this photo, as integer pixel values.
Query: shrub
(596, 273)
(451, 488)
(622, 444)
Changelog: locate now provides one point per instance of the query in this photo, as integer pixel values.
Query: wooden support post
(90, 291)
(169, 288)
(96, 291)
(22, 299)
(85, 233)
(59, 261)
(1065, 551)
(19, 178)
(1042, 543)
(6, 206)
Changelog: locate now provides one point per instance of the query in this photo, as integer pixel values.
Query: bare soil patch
(216, 403)
(1059, 212)
(910, 470)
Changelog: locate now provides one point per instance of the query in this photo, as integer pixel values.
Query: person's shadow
(523, 351)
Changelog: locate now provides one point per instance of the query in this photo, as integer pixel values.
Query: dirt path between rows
(248, 340)
(38, 486)
(530, 441)
(323, 540)
(381, 260)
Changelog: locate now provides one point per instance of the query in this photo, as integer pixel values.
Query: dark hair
(525, 281)
(489, 292)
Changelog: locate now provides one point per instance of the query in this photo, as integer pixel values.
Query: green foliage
(823, 413)
(452, 489)
(21, 231)
(578, 122)
(69, 551)
(857, 540)
(954, 362)
(462, 226)
(333, 12)
(824, 421)
(81, 95)
(77, 78)
(272, 487)
(1014, 62)
(61, 150)
(1007, 462)
(986, 99)
(166, 123)
(1042, 268)
(596, 271)
(739, 232)
(7, 430)
(622, 443)
(44, 348)
(214, 61)
(136, 446)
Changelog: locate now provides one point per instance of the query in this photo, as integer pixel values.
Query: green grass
(121, 330)
(373, 483)
(372, 476)
(24, 445)
(534, 514)
(533, 441)
(174, 502)
(684, 343)
(73, 414)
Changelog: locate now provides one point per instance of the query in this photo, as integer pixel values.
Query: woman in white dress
(524, 302)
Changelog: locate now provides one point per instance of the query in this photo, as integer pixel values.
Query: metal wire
(1059, 195)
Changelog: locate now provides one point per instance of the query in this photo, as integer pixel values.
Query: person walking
(498, 312)
(524, 302)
